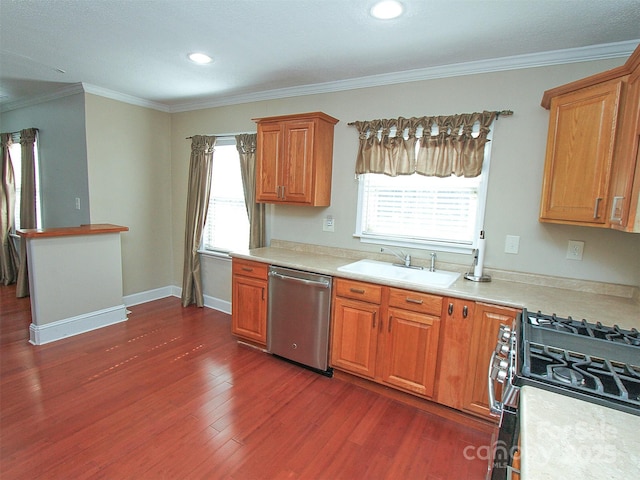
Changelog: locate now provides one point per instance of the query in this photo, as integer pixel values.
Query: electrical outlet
(512, 244)
(575, 249)
(328, 224)
(77, 203)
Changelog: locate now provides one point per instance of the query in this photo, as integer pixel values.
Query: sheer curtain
(8, 272)
(199, 188)
(27, 203)
(246, 145)
(447, 145)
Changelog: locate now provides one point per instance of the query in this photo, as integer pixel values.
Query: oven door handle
(495, 407)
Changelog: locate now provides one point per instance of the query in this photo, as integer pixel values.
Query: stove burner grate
(594, 330)
(588, 374)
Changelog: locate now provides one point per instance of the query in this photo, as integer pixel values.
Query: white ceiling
(273, 48)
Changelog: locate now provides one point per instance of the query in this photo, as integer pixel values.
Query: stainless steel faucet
(405, 257)
(432, 267)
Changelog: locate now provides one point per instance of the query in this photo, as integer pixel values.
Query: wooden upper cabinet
(591, 168)
(580, 143)
(624, 212)
(294, 159)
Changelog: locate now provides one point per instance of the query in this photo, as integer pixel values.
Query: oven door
(505, 462)
(504, 456)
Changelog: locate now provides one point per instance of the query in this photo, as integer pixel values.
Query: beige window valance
(447, 145)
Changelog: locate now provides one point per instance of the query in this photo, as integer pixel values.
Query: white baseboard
(67, 327)
(148, 296)
(223, 306)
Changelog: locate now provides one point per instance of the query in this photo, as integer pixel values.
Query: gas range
(589, 361)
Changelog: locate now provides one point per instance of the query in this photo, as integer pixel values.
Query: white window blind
(420, 209)
(227, 225)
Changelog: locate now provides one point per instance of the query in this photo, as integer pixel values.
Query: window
(15, 151)
(227, 225)
(419, 211)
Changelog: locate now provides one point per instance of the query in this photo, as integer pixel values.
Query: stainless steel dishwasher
(299, 310)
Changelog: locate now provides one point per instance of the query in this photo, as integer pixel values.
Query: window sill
(215, 254)
(408, 243)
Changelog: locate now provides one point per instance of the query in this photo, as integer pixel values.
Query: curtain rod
(222, 135)
(500, 113)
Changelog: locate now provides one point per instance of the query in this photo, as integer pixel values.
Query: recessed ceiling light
(387, 9)
(200, 58)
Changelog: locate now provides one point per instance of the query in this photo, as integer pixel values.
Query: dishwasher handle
(321, 283)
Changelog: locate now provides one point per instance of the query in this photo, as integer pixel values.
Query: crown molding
(516, 62)
(65, 91)
(123, 97)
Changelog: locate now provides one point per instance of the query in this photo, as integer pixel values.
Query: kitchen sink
(389, 271)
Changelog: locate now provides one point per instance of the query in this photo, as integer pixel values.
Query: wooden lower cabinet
(456, 338)
(355, 336)
(372, 337)
(410, 351)
(249, 300)
(486, 323)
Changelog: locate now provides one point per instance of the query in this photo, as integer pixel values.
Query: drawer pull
(357, 290)
(450, 310)
(247, 269)
(374, 320)
(414, 300)
(465, 311)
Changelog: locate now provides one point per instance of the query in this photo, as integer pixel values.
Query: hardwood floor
(170, 394)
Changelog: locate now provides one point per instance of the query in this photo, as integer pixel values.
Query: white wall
(515, 177)
(130, 184)
(63, 156)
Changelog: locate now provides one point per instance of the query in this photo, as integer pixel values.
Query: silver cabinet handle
(616, 209)
(450, 310)
(357, 290)
(465, 311)
(596, 207)
(374, 320)
(414, 300)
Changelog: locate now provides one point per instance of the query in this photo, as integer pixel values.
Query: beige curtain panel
(27, 203)
(8, 264)
(246, 145)
(446, 145)
(199, 188)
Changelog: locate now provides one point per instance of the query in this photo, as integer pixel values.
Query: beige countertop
(563, 301)
(562, 437)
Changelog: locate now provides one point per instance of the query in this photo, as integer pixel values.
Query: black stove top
(590, 361)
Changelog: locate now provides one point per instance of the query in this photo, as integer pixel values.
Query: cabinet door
(354, 336)
(410, 351)
(297, 161)
(486, 323)
(268, 163)
(625, 182)
(249, 308)
(580, 143)
(454, 354)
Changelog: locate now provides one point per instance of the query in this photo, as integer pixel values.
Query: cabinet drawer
(250, 269)
(415, 301)
(367, 292)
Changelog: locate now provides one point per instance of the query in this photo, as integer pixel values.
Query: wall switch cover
(512, 244)
(328, 224)
(575, 248)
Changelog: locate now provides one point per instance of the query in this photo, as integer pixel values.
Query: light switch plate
(328, 224)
